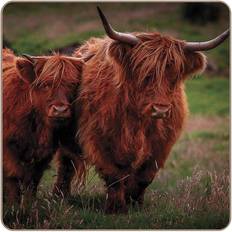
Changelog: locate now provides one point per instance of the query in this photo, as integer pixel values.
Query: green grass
(208, 96)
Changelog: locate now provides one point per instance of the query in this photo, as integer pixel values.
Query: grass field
(193, 189)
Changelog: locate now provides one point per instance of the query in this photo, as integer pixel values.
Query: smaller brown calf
(38, 117)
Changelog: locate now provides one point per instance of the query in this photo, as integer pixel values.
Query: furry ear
(195, 62)
(25, 70)
(118, 51)
(77, 62)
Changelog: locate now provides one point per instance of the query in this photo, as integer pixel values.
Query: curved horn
(28, 57)
(122, 37)
(32, 59)
(207, 45)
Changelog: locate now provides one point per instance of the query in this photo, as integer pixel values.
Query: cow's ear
(78, 63)
(195, 62)
(119, 51)
(25, 70)
(38, 63)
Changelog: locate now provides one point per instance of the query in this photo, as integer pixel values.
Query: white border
(4, 2)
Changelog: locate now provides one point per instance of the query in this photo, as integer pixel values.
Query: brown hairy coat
(32, 92)
(120, 86)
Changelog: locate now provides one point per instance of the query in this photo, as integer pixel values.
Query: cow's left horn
(122, 37)
(33, 58)
(28, 57)
(207, 45)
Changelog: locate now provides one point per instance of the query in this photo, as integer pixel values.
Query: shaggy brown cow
(38, 117)
(133, 106)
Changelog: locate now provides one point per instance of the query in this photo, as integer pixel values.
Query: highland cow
(38, 118)
(133, 106)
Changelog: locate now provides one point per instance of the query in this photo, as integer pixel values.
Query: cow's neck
(45, 134)
(130, 96)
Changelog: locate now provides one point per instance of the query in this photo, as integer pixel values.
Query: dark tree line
(201, 13)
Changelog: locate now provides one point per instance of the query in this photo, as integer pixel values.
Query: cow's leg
(11, 190)
(35, 182)
(142, 178)
(69, 165)
(32, 179)
(130, 186)
(13, 172)
(31, 185)
(65, 173)
(115, 202)
(137, 195)
(28, 194)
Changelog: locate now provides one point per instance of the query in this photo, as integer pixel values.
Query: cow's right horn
(118, 36)
(207, 45)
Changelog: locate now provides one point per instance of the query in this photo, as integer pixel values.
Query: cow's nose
(60, 111)
(161, 110)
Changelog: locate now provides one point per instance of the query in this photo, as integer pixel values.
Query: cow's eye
(173, 79)
(46, 87)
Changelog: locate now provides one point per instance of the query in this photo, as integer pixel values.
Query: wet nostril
(60, 109)
(161, 108)
(161, 111)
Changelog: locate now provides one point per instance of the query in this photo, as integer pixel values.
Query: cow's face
(54, 103)
(53, 84)
(156, 68)
(171, 60)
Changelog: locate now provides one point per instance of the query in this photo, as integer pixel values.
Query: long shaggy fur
(28, 143)
(116, 130)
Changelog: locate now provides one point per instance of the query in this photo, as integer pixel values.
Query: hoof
(123, 210)
(116, 208)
